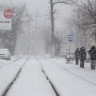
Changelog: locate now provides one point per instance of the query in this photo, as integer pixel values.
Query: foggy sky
(43, 7)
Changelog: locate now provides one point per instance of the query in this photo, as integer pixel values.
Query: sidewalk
(85, 73)
(65, 82)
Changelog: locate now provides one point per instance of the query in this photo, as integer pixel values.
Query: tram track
(53, 86)
(52, 83)
(72, 72)
(8, 87)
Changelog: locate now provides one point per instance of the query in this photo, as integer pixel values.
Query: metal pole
(1, 9)
(69, 48)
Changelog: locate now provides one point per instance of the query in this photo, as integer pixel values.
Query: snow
(85, 73)
(65, 79)
(68, 79)
(8, 73)
(5, 62)
(31, 81)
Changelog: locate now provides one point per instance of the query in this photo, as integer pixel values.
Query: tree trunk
(52, 26)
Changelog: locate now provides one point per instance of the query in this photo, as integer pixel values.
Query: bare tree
(52, 3)
(84, 20)
(47, 38)
(60, 40)
(9, 38)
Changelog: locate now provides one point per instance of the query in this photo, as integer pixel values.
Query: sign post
(5, 19)
(70, 39)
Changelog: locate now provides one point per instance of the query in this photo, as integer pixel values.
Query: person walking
(92, 54)
(77, 54)
(82, 57)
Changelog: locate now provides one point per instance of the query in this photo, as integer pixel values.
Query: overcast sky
(43, 7)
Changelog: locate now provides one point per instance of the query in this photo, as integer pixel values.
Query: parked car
(5, 54)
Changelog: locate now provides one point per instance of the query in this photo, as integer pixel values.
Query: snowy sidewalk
(85, 73)
(8, 73)
(31, 81)
(65, 82)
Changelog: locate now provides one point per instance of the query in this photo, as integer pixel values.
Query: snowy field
(67, 79)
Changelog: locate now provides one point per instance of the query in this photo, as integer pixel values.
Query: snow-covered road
(31, 81)
(67, 79)
(8, 74)
(70, 80)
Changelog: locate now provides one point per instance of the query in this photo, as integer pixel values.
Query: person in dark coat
(77, 54)
(82, 57)
(92, 54)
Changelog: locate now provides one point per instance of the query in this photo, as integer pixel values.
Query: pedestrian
(82, 57)
(77, 54)
(92, 54)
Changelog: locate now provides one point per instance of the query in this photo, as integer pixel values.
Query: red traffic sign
(8, 13)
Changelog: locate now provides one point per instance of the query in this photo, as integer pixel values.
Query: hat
(93, 47)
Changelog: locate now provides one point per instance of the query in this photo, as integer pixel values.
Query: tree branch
(65, 2)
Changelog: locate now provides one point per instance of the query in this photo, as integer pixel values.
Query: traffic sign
(70, 37)
(5, 21)
(8, 13)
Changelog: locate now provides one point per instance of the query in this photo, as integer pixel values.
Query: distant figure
(82, 57)
(92, 54)
(77, 54)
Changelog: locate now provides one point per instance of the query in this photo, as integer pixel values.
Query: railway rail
(72, 72)
(52, 83)
(55, 88)
(10, 83)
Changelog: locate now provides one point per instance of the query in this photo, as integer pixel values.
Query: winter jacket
(82, 54)
(77, 54)
(92, 53)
